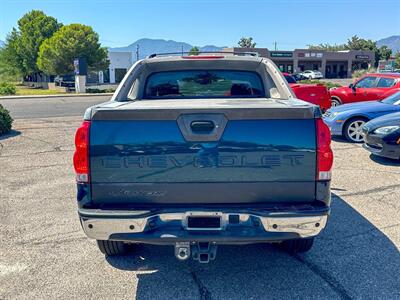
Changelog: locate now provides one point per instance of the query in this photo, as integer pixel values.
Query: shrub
(99, 91)
(361, 72)
(5, 120)
(328, 84)
(7, 89)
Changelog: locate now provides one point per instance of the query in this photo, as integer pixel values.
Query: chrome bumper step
(106, 225)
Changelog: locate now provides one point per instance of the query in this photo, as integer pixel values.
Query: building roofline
(297, 50)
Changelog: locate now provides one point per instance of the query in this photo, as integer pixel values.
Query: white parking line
(7, 269)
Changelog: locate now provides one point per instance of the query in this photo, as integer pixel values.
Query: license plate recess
(203, 222)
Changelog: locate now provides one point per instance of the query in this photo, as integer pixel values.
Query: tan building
(332, 64)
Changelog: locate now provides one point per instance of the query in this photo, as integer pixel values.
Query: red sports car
(368, 87)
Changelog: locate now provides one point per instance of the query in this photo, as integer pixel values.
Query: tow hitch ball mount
(201, 251)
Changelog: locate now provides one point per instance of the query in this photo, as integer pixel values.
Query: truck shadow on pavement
(351, 259)
(341, 139)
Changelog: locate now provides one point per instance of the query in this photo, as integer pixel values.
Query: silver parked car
(310, 74)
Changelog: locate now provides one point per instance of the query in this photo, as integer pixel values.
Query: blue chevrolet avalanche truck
(200, 151)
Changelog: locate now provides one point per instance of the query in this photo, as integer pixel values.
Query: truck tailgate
(177, 152)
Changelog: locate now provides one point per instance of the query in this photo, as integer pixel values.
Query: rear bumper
(170, 226)
(378, 146)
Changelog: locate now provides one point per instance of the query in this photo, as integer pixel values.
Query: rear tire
(112, 248)
(335, 102)
(297, 245)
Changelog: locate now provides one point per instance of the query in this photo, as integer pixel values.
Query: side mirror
(352, 86)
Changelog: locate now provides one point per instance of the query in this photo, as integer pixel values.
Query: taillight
(81, 155)
(324, 151)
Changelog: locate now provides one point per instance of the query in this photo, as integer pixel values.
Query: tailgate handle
(202, 126)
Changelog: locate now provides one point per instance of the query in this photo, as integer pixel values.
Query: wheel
(352, 130)
(335, 102)
(112, 248)
(297, 245)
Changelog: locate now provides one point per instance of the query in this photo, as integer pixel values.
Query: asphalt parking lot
(44, 253)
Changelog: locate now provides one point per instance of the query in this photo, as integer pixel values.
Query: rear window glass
(204, 84)
(290, 79)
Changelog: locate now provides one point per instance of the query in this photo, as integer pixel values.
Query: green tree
(22, 44)
(245, 42)
(11, 62)
(397, 60)
(357, 43)
(7, 72)
(194, 51)
(384, 53)
(56, 54)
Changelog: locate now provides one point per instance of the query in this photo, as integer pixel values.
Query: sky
(289, 23)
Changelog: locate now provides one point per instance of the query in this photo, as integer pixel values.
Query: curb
(54, 96)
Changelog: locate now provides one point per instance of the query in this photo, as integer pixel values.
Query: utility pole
(137, 52)
(275, 45)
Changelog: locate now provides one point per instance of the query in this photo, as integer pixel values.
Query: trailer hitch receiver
(204, 251)
(200, 251)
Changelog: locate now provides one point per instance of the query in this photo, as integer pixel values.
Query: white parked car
(312, 74)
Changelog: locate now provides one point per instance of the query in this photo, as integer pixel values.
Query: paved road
(51, 107)
(45, 255)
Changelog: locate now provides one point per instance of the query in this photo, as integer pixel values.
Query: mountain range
(392, 42)
(150, 46)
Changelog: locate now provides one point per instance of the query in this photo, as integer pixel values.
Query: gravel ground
(44, 253)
